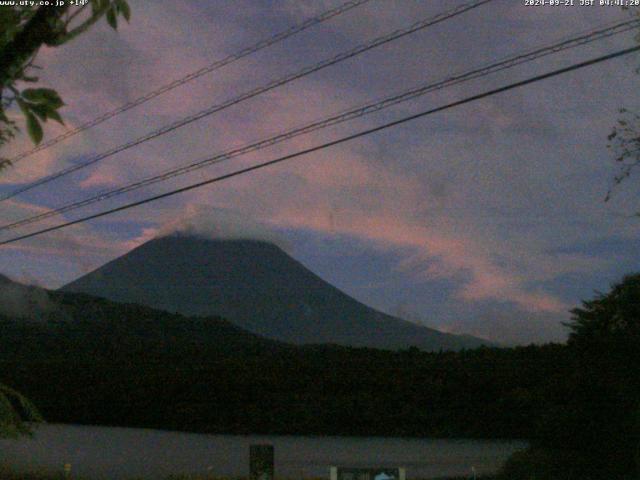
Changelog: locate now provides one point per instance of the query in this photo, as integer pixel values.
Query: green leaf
(54, 115)
(26, 78)
(123, 8)
(34, 128)
(24, 107)
(97, 6)
(41, 111)
(43, 95)
(15, 409)
(112, 19)
(33, 95)
(45, 112)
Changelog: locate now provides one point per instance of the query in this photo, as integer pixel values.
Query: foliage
(589, 425)
(7, 473)
(15, 411)
(202, 477)
(543, 464)
(23, 30)
(624, 139)
(93, 361)
(612, 317)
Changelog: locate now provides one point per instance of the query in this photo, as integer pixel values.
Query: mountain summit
(257, 286)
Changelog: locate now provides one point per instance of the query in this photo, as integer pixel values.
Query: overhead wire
(244, 52)
(346, 115)
(384, 39)
(341, 140)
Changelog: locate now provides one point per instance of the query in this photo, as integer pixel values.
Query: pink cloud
(454, 255)
(75, 246)
(101, 178)
(345, 190)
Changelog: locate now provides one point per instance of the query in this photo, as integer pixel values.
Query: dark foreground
(96, 362)
(90, 361)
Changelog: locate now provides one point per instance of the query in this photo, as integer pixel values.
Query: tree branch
(41, 28)
(82, 27)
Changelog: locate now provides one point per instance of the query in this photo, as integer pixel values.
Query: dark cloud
(483, 197)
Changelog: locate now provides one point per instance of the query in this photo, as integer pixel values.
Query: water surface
(121, 453)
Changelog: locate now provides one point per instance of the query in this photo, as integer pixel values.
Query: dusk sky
(487, 219)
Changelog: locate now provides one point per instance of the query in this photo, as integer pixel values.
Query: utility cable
(253, 93)
(509, 62)
(278, 37)
(323, 146)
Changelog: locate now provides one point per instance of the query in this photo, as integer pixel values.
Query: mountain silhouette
(257, 286)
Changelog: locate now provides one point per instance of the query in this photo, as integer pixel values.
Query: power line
(278, 37)
(509, 62)
(255, 92)
(332, 143)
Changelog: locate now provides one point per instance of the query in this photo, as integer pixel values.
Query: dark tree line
(92, 361)
(97, 362)
(590, 425)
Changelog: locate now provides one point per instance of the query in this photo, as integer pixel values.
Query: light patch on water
(121, 453)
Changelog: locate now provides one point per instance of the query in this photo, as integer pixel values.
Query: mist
(212, 223)
(25, 302)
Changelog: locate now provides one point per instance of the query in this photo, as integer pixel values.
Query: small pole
(261, 462)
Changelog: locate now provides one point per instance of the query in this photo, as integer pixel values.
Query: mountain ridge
(257, 286)
(93, 361)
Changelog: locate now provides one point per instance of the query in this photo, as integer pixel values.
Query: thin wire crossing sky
(485, 219)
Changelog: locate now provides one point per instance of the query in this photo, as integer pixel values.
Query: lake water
(121, 453)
